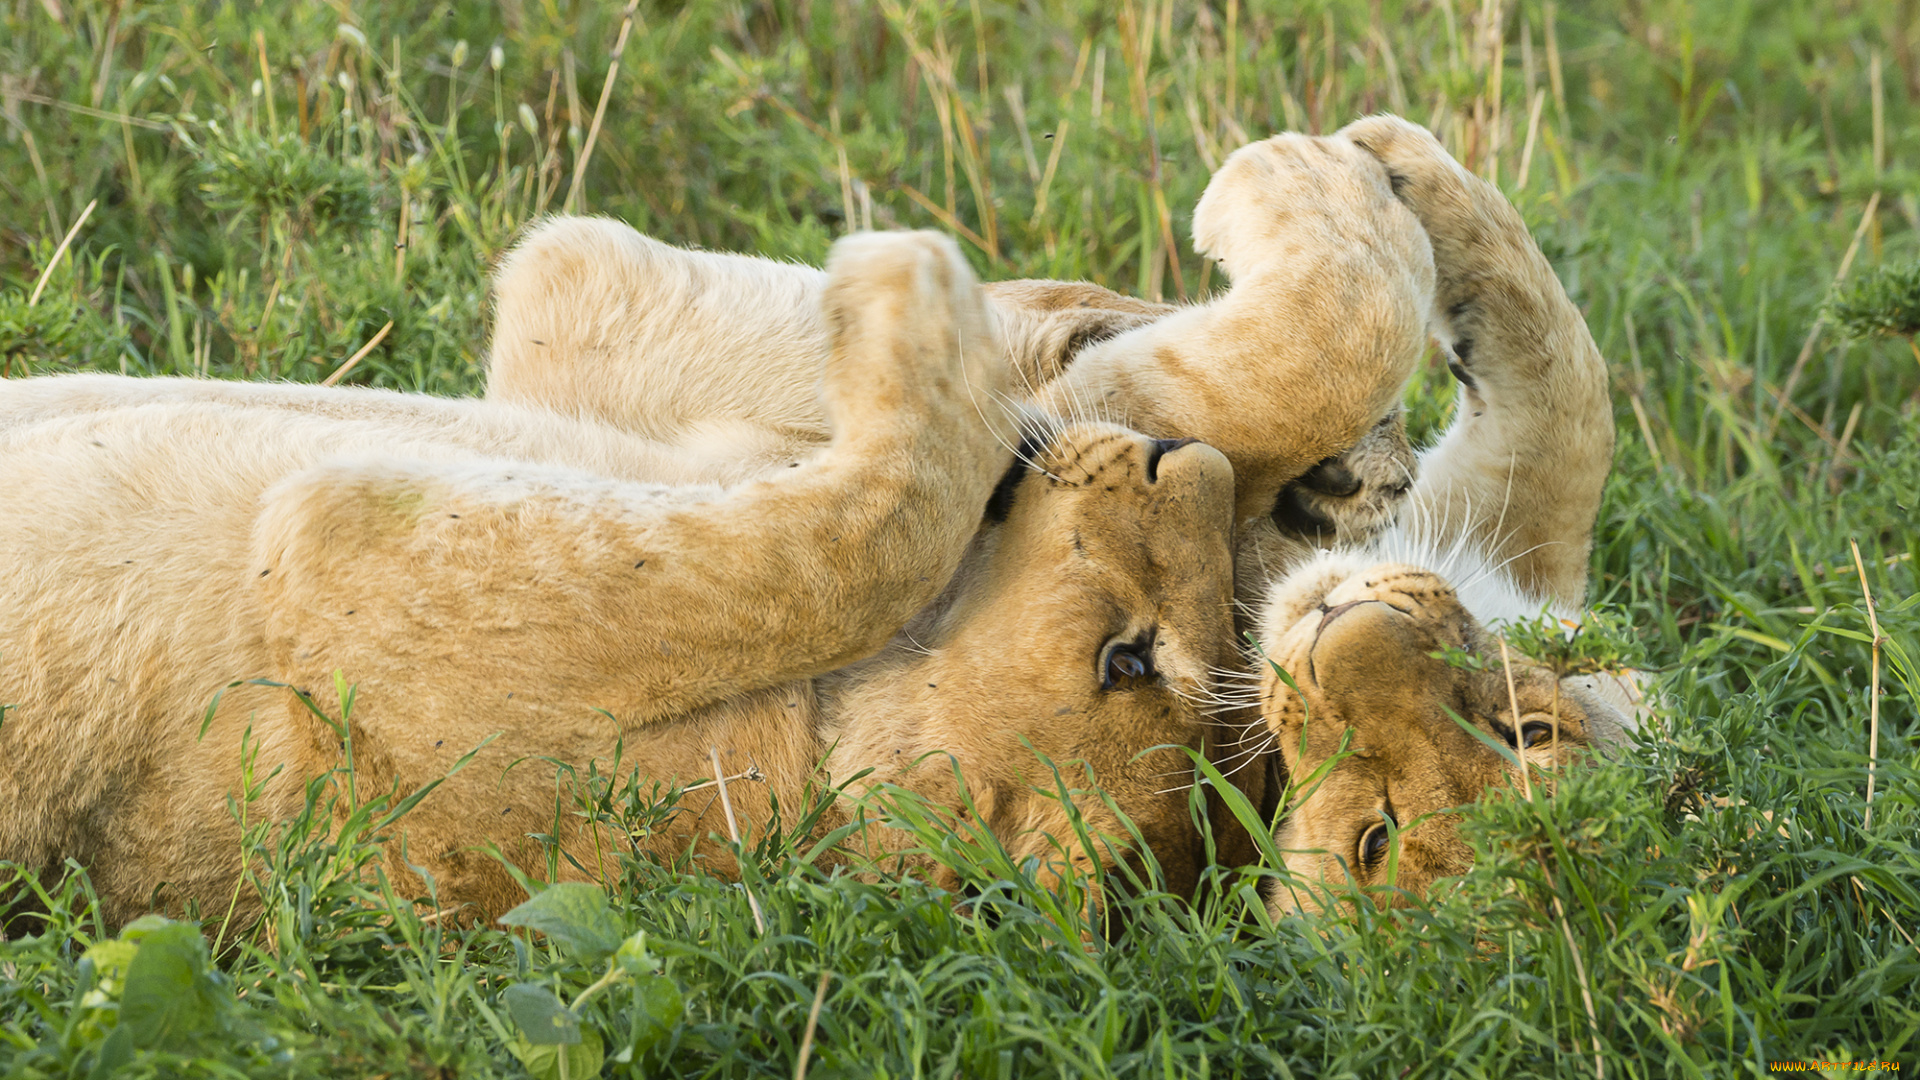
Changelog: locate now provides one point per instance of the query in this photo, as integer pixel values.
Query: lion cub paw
(1293, 195)
(1351, 497)
(1494, 288)
(913, 342)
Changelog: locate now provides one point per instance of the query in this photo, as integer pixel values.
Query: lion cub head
(1389, 668)
(1086, 625)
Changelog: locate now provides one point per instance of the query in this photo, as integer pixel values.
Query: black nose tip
(1161, 447)
(1330, 477)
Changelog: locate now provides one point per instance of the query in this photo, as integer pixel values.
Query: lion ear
(1609, 700)
(1214, 216)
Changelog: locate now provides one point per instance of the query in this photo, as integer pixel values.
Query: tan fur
(484, 570)
(1332, 285)
(1505, 504)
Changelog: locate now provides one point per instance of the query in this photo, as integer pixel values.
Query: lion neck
(878, 715)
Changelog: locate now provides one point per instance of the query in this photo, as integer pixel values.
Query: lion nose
(1161, 448)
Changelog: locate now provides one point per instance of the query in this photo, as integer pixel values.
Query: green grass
(1698, 173)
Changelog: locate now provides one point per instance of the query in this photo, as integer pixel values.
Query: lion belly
(131, 599)
(127, 611)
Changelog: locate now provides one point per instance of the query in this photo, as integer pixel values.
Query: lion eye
(1126, 663)
(1373, 843)
(1535, 734)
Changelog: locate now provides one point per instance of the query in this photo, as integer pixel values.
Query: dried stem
(733, 830)
(1513, 702)
(1873, 689)
(599, 111)
(1819, 323)
(813, 1021)
(341, 371)
(65, 242)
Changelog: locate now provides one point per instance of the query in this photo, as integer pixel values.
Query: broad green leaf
(574, 914)
(544, 1019)
(657, 1007)
(169, 997)
(573, 1061)
(115, 1054)
(138, 929)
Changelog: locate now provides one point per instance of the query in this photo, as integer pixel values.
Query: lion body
(720, 353)
(202, 562)
(719, 502)
(1398, 674)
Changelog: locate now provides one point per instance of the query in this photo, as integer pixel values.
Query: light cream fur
(1327, 314)
(482, 570)
(1499, 527)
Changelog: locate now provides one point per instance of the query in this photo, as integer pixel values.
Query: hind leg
(720, 354)
(1527, 454)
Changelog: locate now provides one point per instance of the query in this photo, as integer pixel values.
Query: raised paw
(913, 343)
(1351, 497)
(1293, 195)
(1496, 293)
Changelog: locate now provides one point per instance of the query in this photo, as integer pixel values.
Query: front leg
(466, 583)
(1526, 458)
(1326, 318)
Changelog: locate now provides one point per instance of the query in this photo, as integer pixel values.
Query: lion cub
(542, 588)
(1499, 526)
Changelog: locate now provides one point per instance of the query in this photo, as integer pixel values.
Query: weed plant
(274, 184)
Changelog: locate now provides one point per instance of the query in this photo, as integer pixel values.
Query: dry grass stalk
(733, 831)
(266, 79)
(1553, 78)
(1533, 129)
(1819, 323)
(1840, 452)
(1873, 687)
(1586, 990)
(1513, 702)
(341, 371)
(65, 242)
(813, 1021)
(400, 239)
(1646, 432)
(574, 197)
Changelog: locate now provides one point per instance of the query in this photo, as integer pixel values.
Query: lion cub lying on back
(483, 571)
(1499, 526)
(1288, 372)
